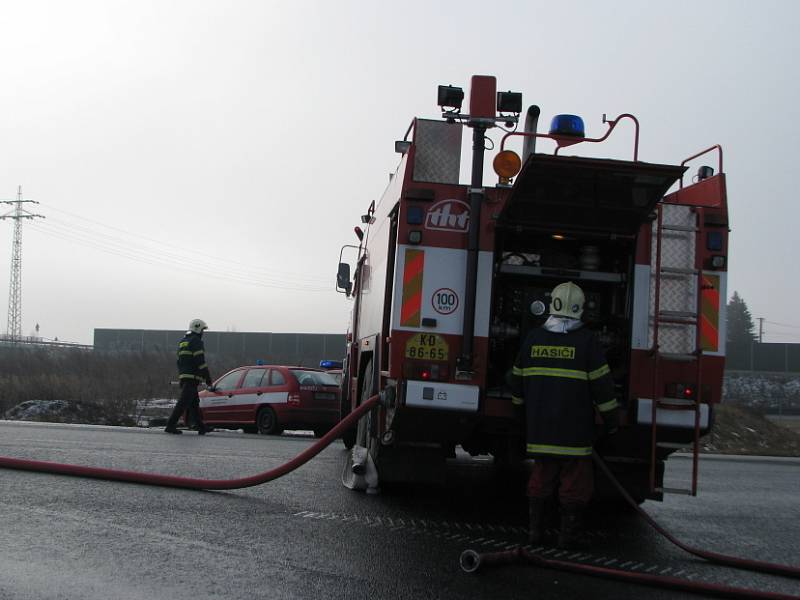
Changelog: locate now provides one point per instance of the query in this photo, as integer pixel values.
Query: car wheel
(267, 422)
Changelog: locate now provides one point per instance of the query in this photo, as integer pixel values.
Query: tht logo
(448, 215)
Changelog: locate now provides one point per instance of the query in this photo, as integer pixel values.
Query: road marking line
(439, 530)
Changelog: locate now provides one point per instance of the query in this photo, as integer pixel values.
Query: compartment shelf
(575, 274)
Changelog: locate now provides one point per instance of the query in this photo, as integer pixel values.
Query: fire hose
(192, 482)
(471, 561)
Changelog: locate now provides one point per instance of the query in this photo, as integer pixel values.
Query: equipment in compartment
(527, 269)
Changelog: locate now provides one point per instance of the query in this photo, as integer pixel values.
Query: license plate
(427, 346)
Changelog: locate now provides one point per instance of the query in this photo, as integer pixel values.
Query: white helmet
(197, 326)
(566, 300)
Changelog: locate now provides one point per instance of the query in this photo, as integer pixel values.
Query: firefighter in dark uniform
(192, 370)
(561, 377)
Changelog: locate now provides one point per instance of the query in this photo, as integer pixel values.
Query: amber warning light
(507, 164)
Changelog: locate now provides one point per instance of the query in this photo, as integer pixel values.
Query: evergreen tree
(741, 329)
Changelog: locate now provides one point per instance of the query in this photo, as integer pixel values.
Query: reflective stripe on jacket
(561, 378)
(192, 359)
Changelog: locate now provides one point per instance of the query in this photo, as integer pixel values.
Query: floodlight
(450, 97)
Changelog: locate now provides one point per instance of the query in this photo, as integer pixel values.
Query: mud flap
(359, 471)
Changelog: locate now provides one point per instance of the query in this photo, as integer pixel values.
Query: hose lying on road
(720, 559)
(192, 482)
(471, 561)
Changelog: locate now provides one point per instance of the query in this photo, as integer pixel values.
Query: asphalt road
(306, 536)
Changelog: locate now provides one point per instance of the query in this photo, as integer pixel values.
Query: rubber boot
(535, 520)
(570, 533)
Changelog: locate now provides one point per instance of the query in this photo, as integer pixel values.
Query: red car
(270, 398)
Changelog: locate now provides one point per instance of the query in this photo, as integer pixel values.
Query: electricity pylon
(17, 214)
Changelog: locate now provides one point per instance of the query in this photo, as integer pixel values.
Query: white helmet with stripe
(197, 326)
(566, 300)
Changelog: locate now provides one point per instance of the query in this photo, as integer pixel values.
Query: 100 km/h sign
(444, 301)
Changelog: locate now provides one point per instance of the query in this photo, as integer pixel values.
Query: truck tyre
(349, 436)
(361, 434)
(367, 433)
(267, 422)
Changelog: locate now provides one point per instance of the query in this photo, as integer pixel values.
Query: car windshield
(313, 377)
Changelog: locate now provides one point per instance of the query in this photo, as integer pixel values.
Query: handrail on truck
(563, 141)
(716, 147)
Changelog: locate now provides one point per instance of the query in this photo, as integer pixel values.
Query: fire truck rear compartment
(528, 266)
(571, 219)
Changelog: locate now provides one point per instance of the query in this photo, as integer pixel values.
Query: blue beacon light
(567, 125)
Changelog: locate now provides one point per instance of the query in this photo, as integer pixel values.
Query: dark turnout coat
(561, 378)
(192, 365)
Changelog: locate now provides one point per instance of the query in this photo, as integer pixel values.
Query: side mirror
(343, 283)
(402, 146)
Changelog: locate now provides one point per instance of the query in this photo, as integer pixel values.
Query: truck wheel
(349, 436)
(361, 433)
(370, 420)
(267, 422)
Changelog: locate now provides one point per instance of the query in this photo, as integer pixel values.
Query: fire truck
(449, 277)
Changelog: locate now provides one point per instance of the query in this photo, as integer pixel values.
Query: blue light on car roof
(330, 364)
(568, 125)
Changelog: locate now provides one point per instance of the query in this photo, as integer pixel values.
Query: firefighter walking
(192, 370)
(560, 377)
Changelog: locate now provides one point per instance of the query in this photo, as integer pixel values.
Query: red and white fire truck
(450, 277)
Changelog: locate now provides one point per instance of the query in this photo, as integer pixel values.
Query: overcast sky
(208, 159)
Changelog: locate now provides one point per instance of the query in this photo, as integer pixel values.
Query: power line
(162, 244)
(185, 255)
(113, 246)
(783, 325)
(173, 262)
(156, 252)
